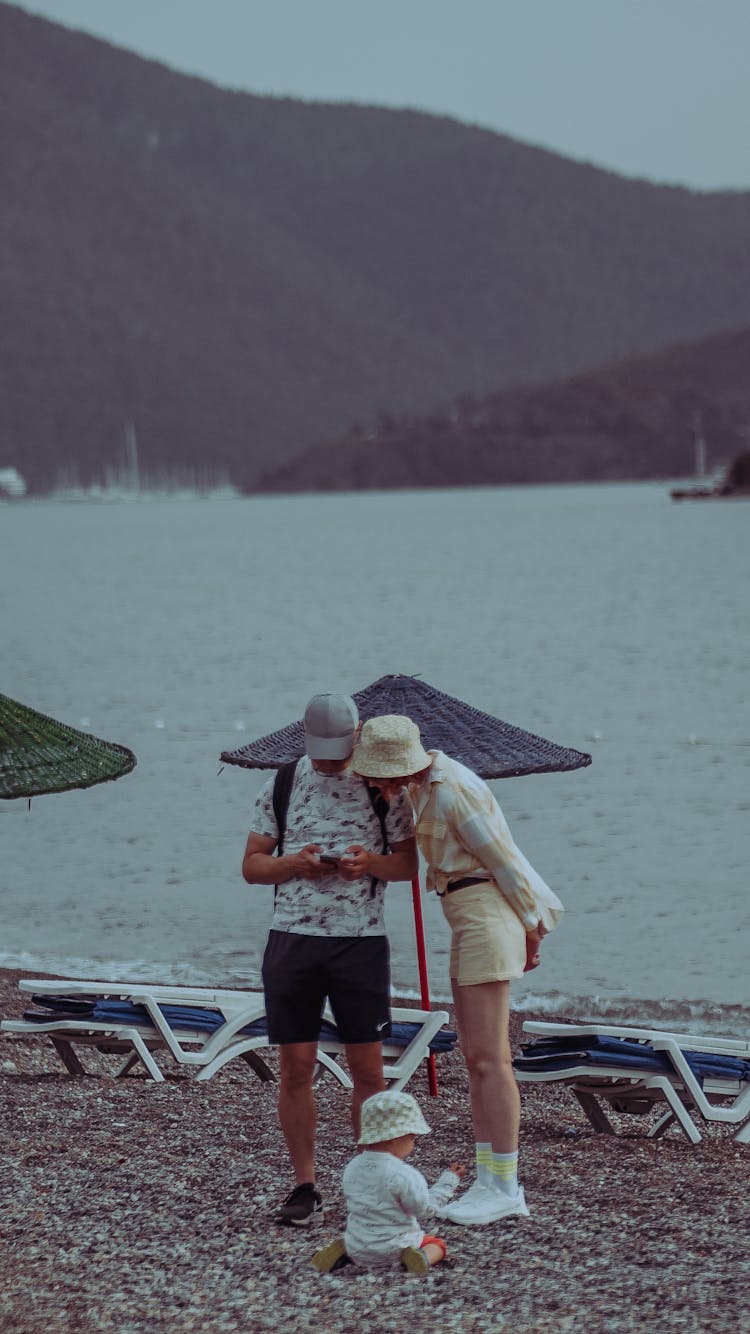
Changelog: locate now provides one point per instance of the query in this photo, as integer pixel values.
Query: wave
(694, 1016)
(174, 973)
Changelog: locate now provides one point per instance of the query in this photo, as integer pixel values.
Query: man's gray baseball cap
(330, 726)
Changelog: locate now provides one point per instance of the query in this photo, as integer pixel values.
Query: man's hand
(307, 864)
(356, 863)
(260, 867)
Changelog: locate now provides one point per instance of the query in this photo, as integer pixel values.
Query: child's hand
(458, 1168)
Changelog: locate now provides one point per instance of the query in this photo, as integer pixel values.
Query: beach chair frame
(634, 1091)
(187, 1045)
(399, 1062)
(193, 1047)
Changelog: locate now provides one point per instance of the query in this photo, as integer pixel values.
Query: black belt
(462, 883)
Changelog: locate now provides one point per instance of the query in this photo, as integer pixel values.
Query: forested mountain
(240, 277)
(633, 418)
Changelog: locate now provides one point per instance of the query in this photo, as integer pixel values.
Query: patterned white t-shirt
(335, 811)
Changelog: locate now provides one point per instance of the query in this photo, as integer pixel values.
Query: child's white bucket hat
(387, 1115)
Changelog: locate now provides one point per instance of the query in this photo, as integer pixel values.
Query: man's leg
(365, 1061)
(482, 1014)
(294, 1000)
(359, 993)
(297, 1115)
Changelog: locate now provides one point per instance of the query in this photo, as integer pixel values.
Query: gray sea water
(603, 617)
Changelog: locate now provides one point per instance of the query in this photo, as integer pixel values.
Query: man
(327, 937)
(498, 908)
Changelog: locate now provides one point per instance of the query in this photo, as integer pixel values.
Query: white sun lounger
(189, 1043)
(689, 1072)
(180, 1032)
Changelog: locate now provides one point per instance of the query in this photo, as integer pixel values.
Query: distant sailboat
(123, 481)
(724, 483)
(132, 476)
(700, 449)
(700, 474)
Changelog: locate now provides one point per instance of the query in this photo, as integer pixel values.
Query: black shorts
(352, 972)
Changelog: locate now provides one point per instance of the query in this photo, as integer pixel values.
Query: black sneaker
(304, 1205)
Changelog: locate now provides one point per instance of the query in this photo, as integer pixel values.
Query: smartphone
(329, 859)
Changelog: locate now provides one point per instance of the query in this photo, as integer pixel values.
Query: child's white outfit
(385, 1197)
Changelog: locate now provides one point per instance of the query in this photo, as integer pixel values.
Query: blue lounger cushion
(101, 1012)
(559, 1053)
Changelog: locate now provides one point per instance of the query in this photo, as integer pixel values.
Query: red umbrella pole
(424, 984)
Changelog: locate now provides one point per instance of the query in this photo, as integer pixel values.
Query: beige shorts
(488, 940)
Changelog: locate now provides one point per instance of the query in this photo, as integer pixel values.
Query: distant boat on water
(734, 483)
(125, 480)
(12, 484)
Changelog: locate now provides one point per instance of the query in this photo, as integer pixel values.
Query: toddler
(385, 1197)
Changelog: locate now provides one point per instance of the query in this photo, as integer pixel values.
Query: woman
(498, 909)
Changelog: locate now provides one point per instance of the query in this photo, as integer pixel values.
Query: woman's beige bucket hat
(389, 747)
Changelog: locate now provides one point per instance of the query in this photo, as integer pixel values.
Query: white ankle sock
(484, 1161)
(503, 1170)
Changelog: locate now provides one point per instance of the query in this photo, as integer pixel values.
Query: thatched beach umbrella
(39, 754)
(489, 746)
(492, 748)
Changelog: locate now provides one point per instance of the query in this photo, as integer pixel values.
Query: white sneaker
(483, 1204)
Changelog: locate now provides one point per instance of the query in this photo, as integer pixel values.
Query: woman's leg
(482, 1012)
(482, 1015)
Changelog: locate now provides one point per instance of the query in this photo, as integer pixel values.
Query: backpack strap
(282, 790)
(380, 807)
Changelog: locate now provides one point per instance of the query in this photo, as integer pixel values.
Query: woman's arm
(484, 832)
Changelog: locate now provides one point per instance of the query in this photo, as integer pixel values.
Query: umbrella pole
(424, 984)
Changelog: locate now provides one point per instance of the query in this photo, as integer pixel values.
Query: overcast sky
(653, 88)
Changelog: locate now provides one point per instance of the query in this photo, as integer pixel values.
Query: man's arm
(401, 863)
(260, 867)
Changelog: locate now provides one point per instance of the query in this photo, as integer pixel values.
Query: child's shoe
(332, 1257)
(414, 1260)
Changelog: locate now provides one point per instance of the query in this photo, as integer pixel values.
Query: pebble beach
(135, 1207)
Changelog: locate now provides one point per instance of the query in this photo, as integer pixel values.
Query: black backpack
(282, 788)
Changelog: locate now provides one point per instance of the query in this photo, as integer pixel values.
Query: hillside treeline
(635, 418)
(239, 276)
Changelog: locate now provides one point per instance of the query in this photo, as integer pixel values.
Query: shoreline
(144, 1208)
(698, 1015)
